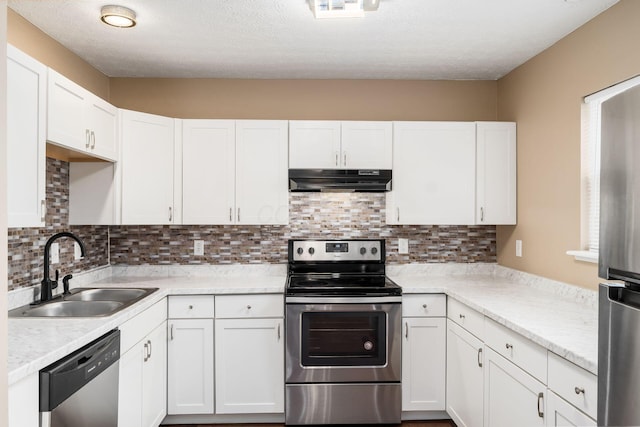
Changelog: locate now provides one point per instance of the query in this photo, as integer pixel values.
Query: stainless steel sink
(108, 294)
(85, 302)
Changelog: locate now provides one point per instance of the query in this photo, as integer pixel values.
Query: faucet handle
(54, 283)
(65, 284)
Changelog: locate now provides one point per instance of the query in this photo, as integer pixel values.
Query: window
(591, 168)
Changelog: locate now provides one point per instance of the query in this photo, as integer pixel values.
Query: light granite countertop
(560, 317)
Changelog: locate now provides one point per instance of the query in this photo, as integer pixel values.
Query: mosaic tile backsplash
(312, 215)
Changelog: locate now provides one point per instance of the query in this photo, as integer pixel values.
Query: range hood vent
(340, 180)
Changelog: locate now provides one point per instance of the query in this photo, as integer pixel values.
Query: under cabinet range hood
(340, 180)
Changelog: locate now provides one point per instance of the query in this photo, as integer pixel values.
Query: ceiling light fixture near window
(118, 16)
(342, 8)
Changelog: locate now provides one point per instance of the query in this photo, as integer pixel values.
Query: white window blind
(591, 132)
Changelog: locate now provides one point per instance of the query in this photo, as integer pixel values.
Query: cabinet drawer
(466, 317)
(526, 354)
(133, 330)
(191, 307)
(424, 305)
(240, 306)
(576, 385)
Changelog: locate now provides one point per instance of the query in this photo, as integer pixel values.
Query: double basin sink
(85, 302)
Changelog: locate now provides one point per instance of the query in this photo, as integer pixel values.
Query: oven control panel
(337, 250)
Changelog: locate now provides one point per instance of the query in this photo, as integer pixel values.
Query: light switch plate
(54, 252)
(198, 247)
(403, 246)
(519, 248)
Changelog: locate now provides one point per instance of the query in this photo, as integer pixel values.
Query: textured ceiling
(404, 39)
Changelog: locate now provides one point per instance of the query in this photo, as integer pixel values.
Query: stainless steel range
(343, 334)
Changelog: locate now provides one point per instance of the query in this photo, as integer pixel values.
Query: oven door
(335, 340)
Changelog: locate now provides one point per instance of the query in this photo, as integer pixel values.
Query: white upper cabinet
(147, 169)
(26, 118)
(321, 144)
(79, 120)
(262, 192)
(496, 173)
(208, 171)
(433, 173)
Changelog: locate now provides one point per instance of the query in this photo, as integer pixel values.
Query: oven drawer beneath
(372, 403)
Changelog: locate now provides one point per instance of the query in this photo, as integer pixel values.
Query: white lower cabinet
(560, 413)
(142, 388)
(190, 366)
(465, 376)
(512, 397)
(24, 410)
(423, 353)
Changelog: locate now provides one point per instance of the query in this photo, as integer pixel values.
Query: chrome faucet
(49, 285)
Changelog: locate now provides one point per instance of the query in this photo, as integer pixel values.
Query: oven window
(344, 339)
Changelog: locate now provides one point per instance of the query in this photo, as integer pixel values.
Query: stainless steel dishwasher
(82, 388)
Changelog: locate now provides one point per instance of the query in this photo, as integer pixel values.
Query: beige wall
(3, 216)
(28, 38)
(308, 99)
(544, 96)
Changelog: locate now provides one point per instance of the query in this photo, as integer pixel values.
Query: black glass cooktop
(341, 284)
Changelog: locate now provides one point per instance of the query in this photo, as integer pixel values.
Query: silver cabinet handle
(336, 158)
(171, 333)
(406, 331)
(480, 357)
(508, 346)
(230, 214)
(43, 210)
(149, 348)
(278, 331)
(541, 405)
(579, 390)
(146, 351)
(345, 158)
(87, 138)
(398, 214)
(462, 316)
(238, 214)
(481, 214)
(93, 140)
(170, 214)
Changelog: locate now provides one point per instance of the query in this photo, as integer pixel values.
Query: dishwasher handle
(63, 378)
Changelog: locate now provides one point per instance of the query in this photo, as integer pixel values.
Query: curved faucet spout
(47, 284)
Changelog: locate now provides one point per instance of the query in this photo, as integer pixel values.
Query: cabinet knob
(424, 306)
(190, 307)
(508, 346)
(248, 307)
(462, 316)
(579, 390)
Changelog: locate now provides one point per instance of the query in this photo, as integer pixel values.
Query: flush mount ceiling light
(342, 8)
(118, 16)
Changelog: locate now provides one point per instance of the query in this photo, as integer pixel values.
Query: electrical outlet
(519, 248)
(54, 252)
(198, 247)
(403, 246)
(77, 253)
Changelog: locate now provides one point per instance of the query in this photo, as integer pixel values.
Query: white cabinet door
(512, 397)
(208, 171)
(249, 366)
(23, 407)
(190, 366)
(154, 378)
(560, 413)
(66, 122)
(26, 138)
(465, 377)
(496, 176)
(262, 193)
(367, 145)
(314, 144)
(433, 174)
(130, 386)
(101, 121)
(147, 168)
(423, 362)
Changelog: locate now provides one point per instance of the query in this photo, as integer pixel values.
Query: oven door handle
(342, 300)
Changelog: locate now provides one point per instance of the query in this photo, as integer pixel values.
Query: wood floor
(442, 423)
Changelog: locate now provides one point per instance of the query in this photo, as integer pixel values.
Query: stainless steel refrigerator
(619, 304)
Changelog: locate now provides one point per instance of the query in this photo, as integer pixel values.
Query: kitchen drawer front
(191, 307)
(576, 385)
(133, 330)
(424, 305)
(247, 306)
(526, 354)
(466, 317)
